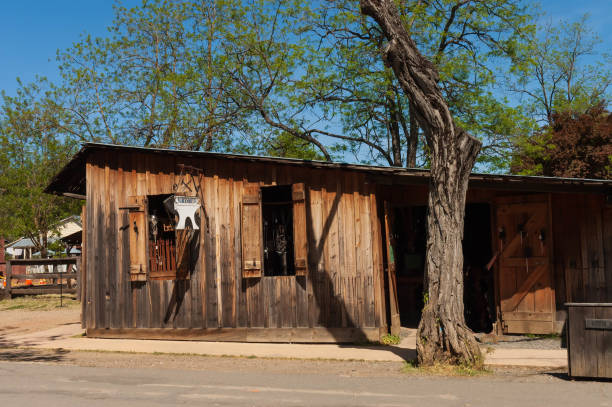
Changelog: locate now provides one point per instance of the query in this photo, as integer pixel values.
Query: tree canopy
(32, 151)
(576, 145)
(307, 80)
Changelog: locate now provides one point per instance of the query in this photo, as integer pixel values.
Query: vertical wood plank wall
(582, 227)
(582, 241)
(343, 288)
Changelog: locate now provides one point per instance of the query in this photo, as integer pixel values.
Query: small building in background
(67, 231)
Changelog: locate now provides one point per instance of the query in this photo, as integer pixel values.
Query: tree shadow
(333, 311)
(566, 377)
(181, 284)
(32, 355)
(12, 351)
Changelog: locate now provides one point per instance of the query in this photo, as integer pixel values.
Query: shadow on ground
(565, 376)
(12, 351)
(32, 355)
(407, 354)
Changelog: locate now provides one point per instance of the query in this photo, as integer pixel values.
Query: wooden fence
(60, 281)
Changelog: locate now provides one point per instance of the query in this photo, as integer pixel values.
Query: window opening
(277, 211)
(162, 239)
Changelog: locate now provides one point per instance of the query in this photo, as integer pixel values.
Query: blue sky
(33, 30)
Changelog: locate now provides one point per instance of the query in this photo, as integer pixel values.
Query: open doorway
(410, 236)
(478, 283)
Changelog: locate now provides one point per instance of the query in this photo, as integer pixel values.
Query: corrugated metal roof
(71, 179)
(25, 243)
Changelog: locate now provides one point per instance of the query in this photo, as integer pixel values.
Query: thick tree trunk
(443, 335)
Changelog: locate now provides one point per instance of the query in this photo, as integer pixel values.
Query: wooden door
(527, 300)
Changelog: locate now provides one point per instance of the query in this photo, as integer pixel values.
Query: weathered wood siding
(582, 227)
(590, 340)
(344, 286)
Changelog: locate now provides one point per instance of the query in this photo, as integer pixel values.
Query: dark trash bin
(589, 336)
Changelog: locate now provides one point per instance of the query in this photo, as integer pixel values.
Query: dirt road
(161, 380)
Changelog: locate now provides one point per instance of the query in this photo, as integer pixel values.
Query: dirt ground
(254, 365)
(27, 316)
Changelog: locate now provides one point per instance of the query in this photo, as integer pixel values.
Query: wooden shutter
(251, 232)
(137, 206)
(300, 236)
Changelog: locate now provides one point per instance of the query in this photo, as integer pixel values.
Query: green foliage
(412, 368)
(389, 339)
(32, 150)
(286, 145)
(246, 76)
(157, 79)
(562, 75)
(46, 302)
(561, 70)
(471, 44)
(307, 79)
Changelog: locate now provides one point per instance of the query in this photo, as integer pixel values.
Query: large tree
(469, 42)
(562, 68)
(443, 335)
(157, 78)
(32, 150)
(236, 75)
(563, 78)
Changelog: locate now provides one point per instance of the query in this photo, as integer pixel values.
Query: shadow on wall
(333, 312)
(332, 308)
(181, 286)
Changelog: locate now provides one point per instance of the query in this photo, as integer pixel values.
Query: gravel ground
(278, 366)
(25, 321)
(523, 341)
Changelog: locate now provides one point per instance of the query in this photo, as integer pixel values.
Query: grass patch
(543, 336)
(208, 355)
(45, 302)
(413, 368)
(389, 339)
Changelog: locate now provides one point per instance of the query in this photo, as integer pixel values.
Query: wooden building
(301, 251)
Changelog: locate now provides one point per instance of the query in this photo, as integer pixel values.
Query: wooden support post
(83, 266)
(393, 301)
(78, 279)
(8, 279)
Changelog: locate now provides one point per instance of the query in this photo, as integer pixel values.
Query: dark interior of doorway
(410, 234)
(277, 214)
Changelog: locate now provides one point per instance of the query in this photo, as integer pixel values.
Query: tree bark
(393, 126)
(413, 140)
(443, 335)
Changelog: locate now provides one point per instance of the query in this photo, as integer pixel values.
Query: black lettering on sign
(604, 324)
